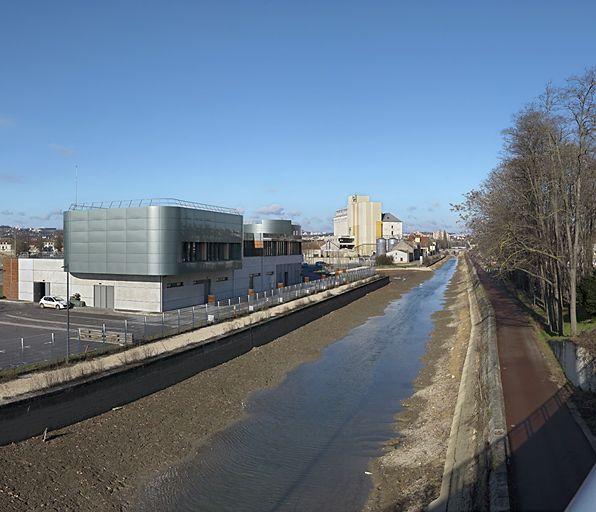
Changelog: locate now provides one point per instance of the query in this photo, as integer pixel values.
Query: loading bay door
(103, 296)
(40, 289)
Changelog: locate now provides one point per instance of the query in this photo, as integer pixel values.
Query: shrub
(383, 259)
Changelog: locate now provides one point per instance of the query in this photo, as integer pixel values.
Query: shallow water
(306, 444)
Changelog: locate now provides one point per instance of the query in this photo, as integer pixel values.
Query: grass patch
(18, 371)
(539, 316)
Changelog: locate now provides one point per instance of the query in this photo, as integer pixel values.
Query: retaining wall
(578, 363)
(28, 416)
(475, 474)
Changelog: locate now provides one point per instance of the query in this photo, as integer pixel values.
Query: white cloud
(10, 178)
(272, 209)
(57, 212)
(5, 121)
(63, 150)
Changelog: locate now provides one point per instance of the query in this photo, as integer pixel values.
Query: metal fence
(138, 329)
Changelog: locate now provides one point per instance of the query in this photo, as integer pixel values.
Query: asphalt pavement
(549, 455)
(29, 334)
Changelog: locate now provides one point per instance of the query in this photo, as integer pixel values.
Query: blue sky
(276, 107)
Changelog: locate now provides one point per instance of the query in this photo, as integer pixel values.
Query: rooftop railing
(160, 201)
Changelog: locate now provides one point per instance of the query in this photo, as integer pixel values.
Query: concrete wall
(195, 289)
(33, 270)
(151, 293)
(25, 417)
(132, 293)
(270, 270)
(578, 363)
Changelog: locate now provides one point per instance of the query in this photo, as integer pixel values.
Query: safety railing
(138, 329)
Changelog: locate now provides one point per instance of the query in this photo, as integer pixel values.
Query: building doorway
(103, 296)
(40, 289)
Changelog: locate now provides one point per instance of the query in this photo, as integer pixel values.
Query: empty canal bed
(307, 443)
(294, 424)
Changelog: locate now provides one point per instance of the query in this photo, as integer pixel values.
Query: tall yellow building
(360, 220)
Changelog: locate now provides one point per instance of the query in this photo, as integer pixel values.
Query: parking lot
(29, 334)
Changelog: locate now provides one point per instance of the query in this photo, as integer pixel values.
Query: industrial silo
(391, 244)
(381, 246)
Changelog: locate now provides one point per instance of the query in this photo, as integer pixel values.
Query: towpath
(549, 453)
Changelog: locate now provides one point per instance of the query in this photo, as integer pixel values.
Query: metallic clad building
(272, 228)
(151, 238)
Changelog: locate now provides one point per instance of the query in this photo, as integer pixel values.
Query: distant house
(392, 227)
(404, 252)
(49, 246)
(427, 246)
(6, 246)
(313, 248)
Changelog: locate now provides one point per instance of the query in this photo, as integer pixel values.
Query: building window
(210, 251)
(174, 285)
(221, 279)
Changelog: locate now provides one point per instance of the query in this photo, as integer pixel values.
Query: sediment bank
(408, 476)
(100, 463)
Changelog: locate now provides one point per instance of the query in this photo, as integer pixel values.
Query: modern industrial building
(159, 255)
(358, 226)
(272, 256)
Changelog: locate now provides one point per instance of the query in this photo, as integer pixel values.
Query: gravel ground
(100, 463)
(408, 476)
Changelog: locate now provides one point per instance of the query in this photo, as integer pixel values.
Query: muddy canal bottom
(306, 444)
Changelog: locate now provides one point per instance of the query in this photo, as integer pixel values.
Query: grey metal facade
(273, 229)
(146, 240)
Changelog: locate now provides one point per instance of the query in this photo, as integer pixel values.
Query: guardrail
(111, 334)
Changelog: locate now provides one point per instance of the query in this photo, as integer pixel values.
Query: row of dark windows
(210, 251)
(272, 248)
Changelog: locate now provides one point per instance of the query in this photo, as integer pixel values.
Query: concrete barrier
(27, 416)
(475, 474)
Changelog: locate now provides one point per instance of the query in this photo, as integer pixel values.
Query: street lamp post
(65, 267)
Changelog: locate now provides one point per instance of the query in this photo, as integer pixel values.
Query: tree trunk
(572, 298)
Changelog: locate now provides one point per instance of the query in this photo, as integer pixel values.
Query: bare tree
(534, 214)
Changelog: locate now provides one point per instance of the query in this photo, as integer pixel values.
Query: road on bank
(548, 451)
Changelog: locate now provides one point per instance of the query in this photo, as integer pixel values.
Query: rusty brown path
(549, 455)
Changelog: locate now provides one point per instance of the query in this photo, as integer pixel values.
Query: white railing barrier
(52, 346)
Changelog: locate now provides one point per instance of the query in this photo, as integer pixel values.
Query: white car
(50, 301)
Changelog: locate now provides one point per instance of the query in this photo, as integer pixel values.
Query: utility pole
(67, 313)
(65, 267)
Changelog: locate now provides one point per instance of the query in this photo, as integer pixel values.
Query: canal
(306, 444)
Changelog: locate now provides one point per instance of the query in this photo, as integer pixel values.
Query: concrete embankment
(475, 474)
(122, 378)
